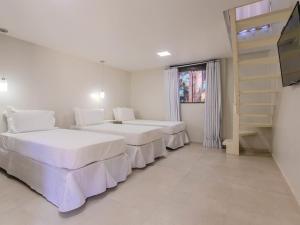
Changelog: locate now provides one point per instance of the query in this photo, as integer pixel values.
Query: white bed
(65, 166)
(68, 149)
(144, 143)
(175, 135)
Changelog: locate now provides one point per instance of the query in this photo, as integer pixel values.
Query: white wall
(286, 137)
(193, 116)
(147, 98)
(147, 94)
(40, 78)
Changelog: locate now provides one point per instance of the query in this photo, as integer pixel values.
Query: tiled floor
(192, 186)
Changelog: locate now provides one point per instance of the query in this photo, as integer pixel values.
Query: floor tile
(192, 186)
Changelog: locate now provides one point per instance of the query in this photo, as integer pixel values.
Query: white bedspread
(67, 189)
(61, 148)
(134, 135)
(174, 141)
(142, 155)
(168, 127)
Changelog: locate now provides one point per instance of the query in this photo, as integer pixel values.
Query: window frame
(199, 67)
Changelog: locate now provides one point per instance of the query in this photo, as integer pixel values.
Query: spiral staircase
(256, 74)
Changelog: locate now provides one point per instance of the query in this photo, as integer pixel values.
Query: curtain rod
(195, 63)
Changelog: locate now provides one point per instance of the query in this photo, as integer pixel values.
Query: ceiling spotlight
(3, 30)
(164, 53)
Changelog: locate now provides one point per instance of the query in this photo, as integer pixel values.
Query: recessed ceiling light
(3, 30)
(164, 53)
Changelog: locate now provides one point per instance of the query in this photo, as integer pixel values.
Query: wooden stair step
(244, 133)
(258, 78)
(268, 18)
(227, 141)
(258, 43)
(257, 104)
(267, 91)
(260, 61)
(230, 147)
(258, 115)
(258, 125)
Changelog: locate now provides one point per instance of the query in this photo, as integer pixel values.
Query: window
(251, 10)
(192, 84)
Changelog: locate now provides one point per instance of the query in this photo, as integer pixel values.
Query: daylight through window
(192, 84)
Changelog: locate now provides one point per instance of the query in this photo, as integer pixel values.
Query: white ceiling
(125, 33)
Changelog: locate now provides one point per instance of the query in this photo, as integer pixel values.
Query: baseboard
(287, 180)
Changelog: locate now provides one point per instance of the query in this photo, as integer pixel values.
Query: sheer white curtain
(171, 82)
(213, 109)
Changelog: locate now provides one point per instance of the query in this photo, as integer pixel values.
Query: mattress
(134, 135)
(168, 127)
(69, 149)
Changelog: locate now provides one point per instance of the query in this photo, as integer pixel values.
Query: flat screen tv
(289, 49)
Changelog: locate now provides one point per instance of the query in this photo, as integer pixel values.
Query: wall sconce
(3, 84)
(97, 96)
(102, 94)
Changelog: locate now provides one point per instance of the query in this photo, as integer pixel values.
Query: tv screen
(289, 49)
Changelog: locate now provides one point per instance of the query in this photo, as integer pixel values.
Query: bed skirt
(142, 155)
(174, 141)
(67, 189)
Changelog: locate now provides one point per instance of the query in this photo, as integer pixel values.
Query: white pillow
(124, 114)
(19, 121)
(85, 117)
